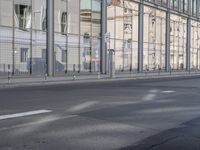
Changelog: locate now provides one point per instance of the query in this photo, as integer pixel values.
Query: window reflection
(122, 24)
(178, 42)
(154, 39)
(195, 46)
(60, 36)
(90, 20)
(23, 16)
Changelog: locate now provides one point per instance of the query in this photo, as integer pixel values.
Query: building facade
(58, 37)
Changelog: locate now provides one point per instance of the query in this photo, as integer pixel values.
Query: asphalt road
(161, 114)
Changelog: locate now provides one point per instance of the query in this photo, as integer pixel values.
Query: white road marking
(39, 122)
(30, 113)
(151, 95)
(168, 91)
(153, 91)
(82, 106)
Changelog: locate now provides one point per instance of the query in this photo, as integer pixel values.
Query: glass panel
(178, 42)
(111, 20)
(22, 36)
(86, 17)
(85, 53)
(95, 55)
(164, 3)
(39, 37)
(73, 58)
(39, 15)
(186, 6)
(194, 7)
(122, 24)
(60, 37)
(194, 50)
(6, 9)
(96, 18)
(176, 4)
(60, 48)
(60, 9)
(6, 50)
(154, 39)
(73, 16)
(119, 22)
(119, 55)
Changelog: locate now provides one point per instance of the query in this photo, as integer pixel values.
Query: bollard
(146, 70)
(170, 70)
(112, 63)
(45, 76)
(99, 75)
(74, 68)
(74, 77)
(65, 71)
(159, 69)
(9, 77)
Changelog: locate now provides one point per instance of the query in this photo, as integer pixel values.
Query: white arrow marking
(3, 117)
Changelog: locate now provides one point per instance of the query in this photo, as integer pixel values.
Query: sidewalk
(30, 81)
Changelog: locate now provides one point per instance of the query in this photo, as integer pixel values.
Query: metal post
(167, 46)
(66, 69)
(31, 40)
(140, 36)
(9, 77)
(13, 38)
(50, 37)
(188, 40)
(103, 61)
(111, 63)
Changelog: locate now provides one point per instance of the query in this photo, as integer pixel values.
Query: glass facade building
(146, 35)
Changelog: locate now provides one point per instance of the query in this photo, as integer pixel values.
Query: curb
(93, 80)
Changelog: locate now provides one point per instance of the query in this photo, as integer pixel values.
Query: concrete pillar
(140, 36)
(188, 40)
(50, 38)
(103, 53)
(167, 41)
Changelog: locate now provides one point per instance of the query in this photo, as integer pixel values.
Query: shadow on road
(184, 137)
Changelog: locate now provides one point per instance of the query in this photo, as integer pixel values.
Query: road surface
(162, 114)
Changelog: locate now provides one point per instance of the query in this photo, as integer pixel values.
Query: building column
(167, 41)
(103, 53)
(188, 40)
(50, 38)
(140, 36)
